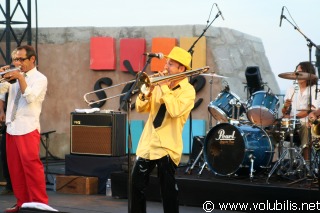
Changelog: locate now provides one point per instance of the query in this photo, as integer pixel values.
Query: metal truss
(11, 30)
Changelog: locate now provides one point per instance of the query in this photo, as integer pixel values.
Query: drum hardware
(204, 165)
(294, 153)
(251, 157)
(197, 160)
(294, 163)
(233, 102)
(235, 109)
(189, 169)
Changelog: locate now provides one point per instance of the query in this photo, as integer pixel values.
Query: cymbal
(297, 75)
(214, 75)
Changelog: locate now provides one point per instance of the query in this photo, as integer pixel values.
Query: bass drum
(228, 149)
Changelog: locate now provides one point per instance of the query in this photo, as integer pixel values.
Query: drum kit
(247, 135)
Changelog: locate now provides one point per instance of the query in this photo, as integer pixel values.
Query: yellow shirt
(166, 139)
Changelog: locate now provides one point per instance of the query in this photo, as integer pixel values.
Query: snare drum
(262, 108)
(287, 123)
(226, 106)
(228, 149)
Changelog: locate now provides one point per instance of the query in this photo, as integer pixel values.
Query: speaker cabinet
(98, 134)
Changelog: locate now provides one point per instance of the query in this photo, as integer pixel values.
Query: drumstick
(290, 107)
(292, 96)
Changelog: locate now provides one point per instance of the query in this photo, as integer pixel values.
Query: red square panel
(132, 49)
(102, 53)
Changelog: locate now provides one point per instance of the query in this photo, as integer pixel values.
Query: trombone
(145, 82)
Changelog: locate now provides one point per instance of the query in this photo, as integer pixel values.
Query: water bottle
(108, 188)
(54, 184)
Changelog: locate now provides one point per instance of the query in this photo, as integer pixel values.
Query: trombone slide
(145, 82)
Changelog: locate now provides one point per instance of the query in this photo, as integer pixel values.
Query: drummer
(299, 102)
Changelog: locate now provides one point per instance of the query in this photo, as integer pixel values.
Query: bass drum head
(224, 149)
(228, 148)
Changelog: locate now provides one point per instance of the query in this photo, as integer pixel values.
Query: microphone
(281, 17)
(156, 55)
(219, 11)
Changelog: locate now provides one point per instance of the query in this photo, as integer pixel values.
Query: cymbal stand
(210, 117)
(202, 167)
(310, 44)
(189, 169)
(291, 150)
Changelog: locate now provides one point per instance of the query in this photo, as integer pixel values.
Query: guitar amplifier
(98, 134)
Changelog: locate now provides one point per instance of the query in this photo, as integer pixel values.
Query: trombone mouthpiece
(165, 72)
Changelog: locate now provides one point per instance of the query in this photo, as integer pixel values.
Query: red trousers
(26, 169)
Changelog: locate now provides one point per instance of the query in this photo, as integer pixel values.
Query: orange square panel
(102, 53)
(132, 49)
(161, 45)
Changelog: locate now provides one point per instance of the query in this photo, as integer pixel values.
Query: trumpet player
(168, 104)
(25, 98)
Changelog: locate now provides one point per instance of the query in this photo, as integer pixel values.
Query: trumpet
(2, 79)
(145, 82)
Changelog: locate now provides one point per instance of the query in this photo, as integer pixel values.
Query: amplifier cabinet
(98, 134)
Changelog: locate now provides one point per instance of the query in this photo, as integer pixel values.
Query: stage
(195, 190)
(280, 192)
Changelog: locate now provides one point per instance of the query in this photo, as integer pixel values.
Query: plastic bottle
(108, 188)
(54, 184)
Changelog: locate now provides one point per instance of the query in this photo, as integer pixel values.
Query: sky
(285, 46)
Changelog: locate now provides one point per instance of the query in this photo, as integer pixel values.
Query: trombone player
(168, 104)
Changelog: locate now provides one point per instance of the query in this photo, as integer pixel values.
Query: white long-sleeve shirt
(30, 103)
(301, 100)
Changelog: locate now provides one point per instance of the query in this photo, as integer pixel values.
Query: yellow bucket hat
(180, 55)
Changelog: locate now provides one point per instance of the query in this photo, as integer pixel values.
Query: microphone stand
(127, 100)
(310, 44)
(191, 51)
